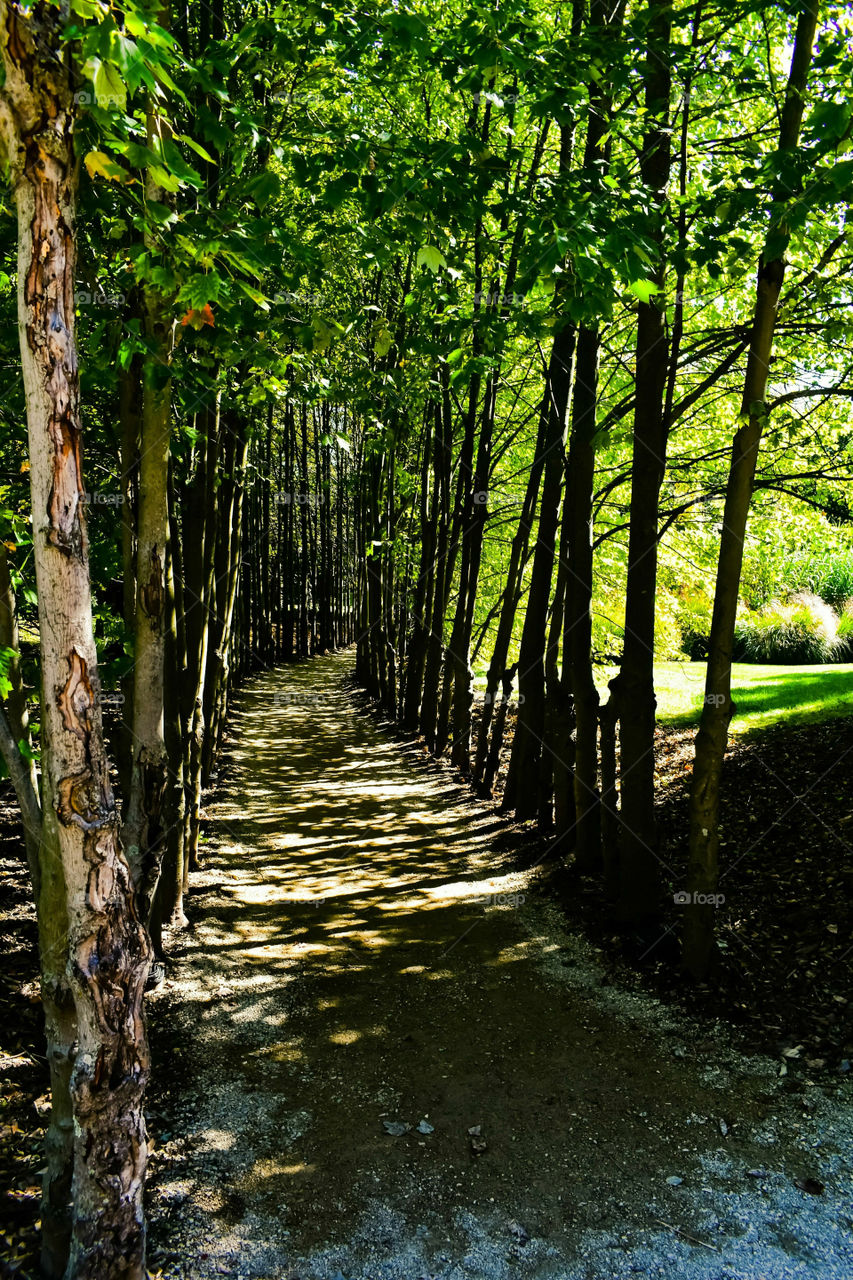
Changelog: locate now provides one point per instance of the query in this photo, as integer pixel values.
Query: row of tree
(698, 216)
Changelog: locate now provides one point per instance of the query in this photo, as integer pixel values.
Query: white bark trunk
(107, 955)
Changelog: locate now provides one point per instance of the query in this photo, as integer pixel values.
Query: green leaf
(643, 289)
(160, 214)
(199, 290)
(99, 164)
(110, 89)
(383, 342)
(431, 258)
(195, 146)
(254, 294)
(88, 8)
(264, 188)
(163, 178)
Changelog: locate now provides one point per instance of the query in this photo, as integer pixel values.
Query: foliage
(830, 576)
(693, 613)
(801, 630)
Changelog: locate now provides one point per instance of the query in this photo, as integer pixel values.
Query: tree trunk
(197, 653)
(604, 21)
(717, 711)
(509, 605)
(422, 602)
(441, 573)
(170, 890)
(639, 876)
(522, 791)
(235, 547)
(227, 568)
(129, 412)
(143, 831)
(105, 951)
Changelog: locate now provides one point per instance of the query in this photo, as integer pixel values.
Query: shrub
(694, 618)
(844, 635)
(831, 577)
(804, 629)
(668, 639)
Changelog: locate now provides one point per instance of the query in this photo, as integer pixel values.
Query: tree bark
(639, 868)
(130, 413)
(522, 791)
(422, 603)
(169, 906)
(91, 940)
(482, 777)
(143, 832)
(604, 22)
(712, 738)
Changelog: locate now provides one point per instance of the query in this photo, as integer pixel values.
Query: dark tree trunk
(717, 711)
(634, 688)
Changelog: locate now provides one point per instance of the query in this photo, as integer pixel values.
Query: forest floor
(383, 1051)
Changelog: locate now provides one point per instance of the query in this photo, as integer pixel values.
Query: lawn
(764, 695)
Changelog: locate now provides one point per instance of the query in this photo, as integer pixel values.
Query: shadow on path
(358, 957)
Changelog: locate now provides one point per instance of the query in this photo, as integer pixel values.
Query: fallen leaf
(396, 1128)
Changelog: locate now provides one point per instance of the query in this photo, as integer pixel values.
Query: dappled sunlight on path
(360, 847)
(381, 1059)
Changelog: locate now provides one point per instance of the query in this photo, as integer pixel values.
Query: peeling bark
(94, 952)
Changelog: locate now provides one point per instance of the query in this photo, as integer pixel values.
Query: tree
(634, 689)
(717, 710)
(94, 950)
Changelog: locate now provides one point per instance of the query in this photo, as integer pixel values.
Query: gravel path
(380, 1056)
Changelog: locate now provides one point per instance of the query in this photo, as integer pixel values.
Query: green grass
(764, 695)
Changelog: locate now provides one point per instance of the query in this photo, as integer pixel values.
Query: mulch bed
(785, 930)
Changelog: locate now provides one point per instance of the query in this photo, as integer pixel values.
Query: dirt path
(359, 957)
